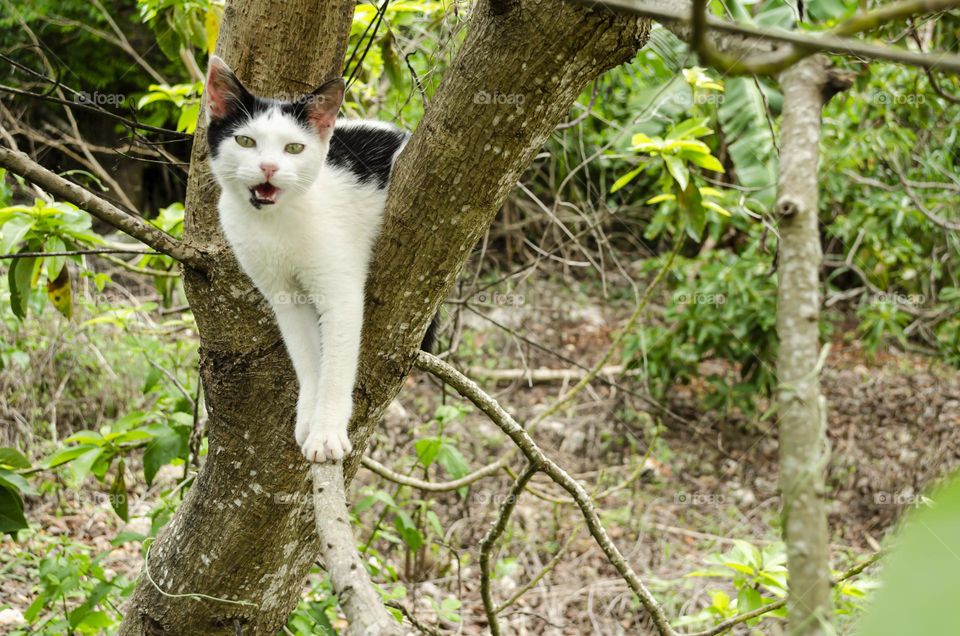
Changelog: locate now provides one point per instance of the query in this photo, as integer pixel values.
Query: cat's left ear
(323, 105)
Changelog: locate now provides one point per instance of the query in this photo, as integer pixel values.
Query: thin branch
(679, 13)
(20, 164)
(130, 123)
(627, 329)
(73, 253)
(526, 587)
(433, 486)
(506, 509)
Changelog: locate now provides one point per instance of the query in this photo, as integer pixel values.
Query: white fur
(308, 254)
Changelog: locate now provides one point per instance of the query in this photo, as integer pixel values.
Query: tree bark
(245, 531)
(804, 449)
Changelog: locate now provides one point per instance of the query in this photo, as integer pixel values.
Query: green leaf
(706, 161)
(161, 451)
(118, 494)
(660, 198)
(80, 467)
(427, 450)
(690, 128)
(13, 458)
(918, 591)
(20, 277)
(11, 511)
(66, 455)
(678, 170)
(625, 179)
(692, 206)
(748, 600)
(743, 118)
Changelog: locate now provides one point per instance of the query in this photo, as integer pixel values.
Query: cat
(301, 204)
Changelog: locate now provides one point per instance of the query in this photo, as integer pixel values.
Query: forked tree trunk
(245, 532)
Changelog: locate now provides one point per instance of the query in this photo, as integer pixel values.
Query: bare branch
(356, 593)
(760, 38)
(20, 164)
(433, 486)
(469, 389)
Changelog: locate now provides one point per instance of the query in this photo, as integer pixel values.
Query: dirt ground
(894, 422)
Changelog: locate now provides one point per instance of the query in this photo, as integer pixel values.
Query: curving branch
(541, 463)
(20, 164)
(434, 486)
(678, 16)
(771, 64)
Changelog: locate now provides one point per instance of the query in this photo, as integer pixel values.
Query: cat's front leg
(299, 325)
(340, 327)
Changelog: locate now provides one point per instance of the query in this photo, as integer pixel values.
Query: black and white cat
(301, 203)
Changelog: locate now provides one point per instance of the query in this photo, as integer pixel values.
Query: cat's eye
(245, 142)
(294, 149)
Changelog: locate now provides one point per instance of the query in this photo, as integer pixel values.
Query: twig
(73, 253)
(433, 486)
(627, 328)
(506, 509)
(542, 573)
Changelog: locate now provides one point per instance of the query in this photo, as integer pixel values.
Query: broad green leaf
(60, 293)
(13, 458)
(11, 511)
(920, 579)
(707, 161)
(660, 198)
(161, 451)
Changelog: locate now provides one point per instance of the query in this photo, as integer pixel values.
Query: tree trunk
(245, 532)
(804, 450)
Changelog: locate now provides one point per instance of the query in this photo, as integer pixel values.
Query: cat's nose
(268, 169)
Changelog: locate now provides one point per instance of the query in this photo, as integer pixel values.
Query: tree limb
(356, 593)
(678, 14)
(20, 164)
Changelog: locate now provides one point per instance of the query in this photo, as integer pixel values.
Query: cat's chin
(264, 194)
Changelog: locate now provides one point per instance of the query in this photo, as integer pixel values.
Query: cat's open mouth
(264, 194)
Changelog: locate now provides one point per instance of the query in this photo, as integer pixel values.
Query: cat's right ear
(225, 93)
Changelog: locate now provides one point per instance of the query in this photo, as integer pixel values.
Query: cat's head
(266, 150)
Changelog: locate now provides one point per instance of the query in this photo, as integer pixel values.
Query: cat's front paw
(326, 444)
